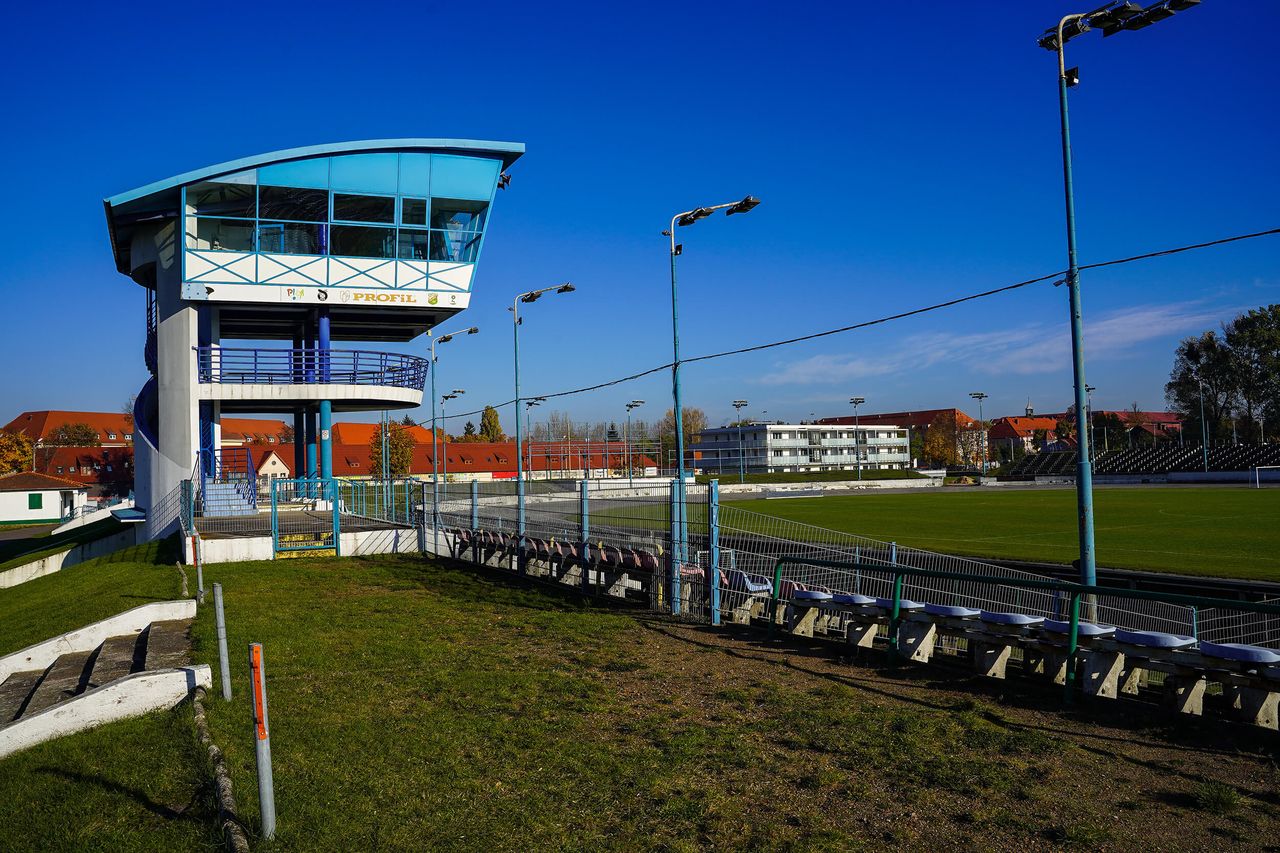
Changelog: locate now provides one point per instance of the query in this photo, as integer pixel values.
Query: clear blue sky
(905, 154)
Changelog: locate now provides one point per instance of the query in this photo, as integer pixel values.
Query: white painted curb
(131, 696)
(88, 638)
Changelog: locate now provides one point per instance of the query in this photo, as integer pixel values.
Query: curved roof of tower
(158, 198)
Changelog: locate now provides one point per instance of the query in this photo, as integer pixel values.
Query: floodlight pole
(857, 432)
(982, 427)
(631, 481)
(1204, 428)
(1084, 467)
(742, 465)
(530, 296)
(688, 217)
(435, 442)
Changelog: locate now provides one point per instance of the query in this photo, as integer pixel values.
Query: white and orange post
(262, 741)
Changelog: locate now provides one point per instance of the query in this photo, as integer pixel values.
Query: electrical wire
(876, 322)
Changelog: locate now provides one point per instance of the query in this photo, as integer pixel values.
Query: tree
(941, 441)
(694, 422)
(400, 446)
(1253, 342)
(491, 425)
(469, 430)
(15, 452)
(127, 411)
(1203, 370)
(286, 434)
(408, 421)
(74, 435)
(612, 433)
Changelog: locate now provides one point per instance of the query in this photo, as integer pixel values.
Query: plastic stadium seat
(903, 604)
(950, 610)
(1020, 619)
(744, 582)
(1240, 652)
(810, 595)
(1083, 629)
(1153, 639)
(852, 599)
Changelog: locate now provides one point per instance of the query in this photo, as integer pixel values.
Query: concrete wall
(66, 559)
(389, 541)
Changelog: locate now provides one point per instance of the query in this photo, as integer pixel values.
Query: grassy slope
(93, 590)
(136, 785)
(1209, 531)
(17, 552)
(417, 707)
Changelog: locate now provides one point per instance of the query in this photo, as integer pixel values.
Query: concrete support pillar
(1100, 673)
(326, 445)
(311, 442)
(990, 658)
(916, 638)
(1255, 705)
(1185, 693)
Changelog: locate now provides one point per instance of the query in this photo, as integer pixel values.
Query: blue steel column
(435, 446)
(1084, 469)
(311, 443)
(326, 406)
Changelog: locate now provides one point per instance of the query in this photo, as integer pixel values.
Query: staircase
(84, 678)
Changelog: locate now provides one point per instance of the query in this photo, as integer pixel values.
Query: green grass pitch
(1224, 532)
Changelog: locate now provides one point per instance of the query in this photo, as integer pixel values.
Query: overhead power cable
(876, 322)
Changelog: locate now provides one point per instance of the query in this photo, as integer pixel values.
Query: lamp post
(857, 457)
(435, 443)
(684, 219)
(1204, 428)
(530, 296)
(631, 483)
(982, 426)
(742, 465)
(457, 392)
(1110, 18)
(528, 429)
(1088, 398)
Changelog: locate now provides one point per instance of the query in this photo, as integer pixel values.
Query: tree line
(1234, 374)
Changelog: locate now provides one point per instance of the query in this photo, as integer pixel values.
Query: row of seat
(1111, 660)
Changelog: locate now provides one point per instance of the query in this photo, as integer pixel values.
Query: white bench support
(916, 638)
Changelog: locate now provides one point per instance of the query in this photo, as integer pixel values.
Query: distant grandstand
(1150, 461)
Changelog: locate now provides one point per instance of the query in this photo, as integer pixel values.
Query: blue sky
(904, 155)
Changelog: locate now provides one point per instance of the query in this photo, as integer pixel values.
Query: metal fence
(707, 557)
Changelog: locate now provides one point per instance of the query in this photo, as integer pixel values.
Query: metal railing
(255, 366)
(1074, 595)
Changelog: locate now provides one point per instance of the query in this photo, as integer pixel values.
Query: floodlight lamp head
(531, 297)
(473, 330)
(458, 391)
(504, 181)
(857, 401)
(745, 206)
(444, 339)
(566, 288)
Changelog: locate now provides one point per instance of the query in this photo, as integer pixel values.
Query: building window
(128, 436)
(35, 501)
(59, 469)
(111, 436)
(71, 470)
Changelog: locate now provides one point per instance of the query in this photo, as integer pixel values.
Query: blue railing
(253, 366)
(228, 482)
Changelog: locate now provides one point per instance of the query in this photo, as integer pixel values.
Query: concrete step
(66, 678)
(117, 657)
(14, 692)
(168, 644)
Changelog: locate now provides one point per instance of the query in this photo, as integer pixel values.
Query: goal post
(1257, 473)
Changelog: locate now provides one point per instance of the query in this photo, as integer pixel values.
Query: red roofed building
(114, 429)
(28, 497)
(101, 470)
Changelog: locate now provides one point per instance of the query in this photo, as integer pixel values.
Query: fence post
(195, 556)
(713, 537)
(262, 742)
(775, 598)
(221, 621)
(895, 614)
(857, 572)
(674, 560)
(337, 517)
(189, 504)
(475, 504)
(1073, 643)
(585, 523)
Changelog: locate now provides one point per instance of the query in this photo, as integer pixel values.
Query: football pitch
(1222, 532)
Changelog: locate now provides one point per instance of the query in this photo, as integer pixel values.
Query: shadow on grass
(194, 810)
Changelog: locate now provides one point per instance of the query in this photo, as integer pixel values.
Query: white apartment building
(802, 447)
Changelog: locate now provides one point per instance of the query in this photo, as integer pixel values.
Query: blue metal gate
(305, 517)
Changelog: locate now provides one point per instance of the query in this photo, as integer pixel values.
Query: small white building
(30, 498)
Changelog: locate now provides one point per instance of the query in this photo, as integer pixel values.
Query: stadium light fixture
(1111, 18)
(531, 296)
(742, 465)
(687, 217)
(745, 206)
(435, 430)
(634, 404)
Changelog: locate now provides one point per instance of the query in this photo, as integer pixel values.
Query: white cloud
(1026, 349)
